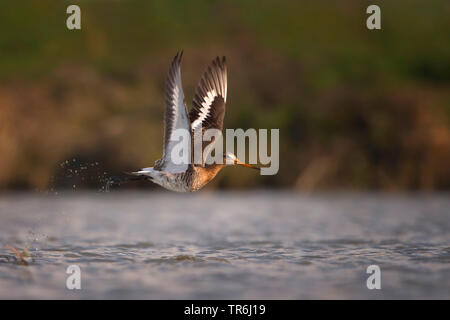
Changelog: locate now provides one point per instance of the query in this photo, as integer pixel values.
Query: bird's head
(231, 159)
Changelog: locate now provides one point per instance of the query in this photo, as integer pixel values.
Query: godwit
(207, 112)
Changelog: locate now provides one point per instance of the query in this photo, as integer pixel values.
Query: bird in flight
(207, 112)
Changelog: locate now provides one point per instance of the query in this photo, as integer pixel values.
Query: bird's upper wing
(175, 117)
(208, 107)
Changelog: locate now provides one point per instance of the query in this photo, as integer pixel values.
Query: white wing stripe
(206, 106)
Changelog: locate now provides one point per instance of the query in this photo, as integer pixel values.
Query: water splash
(75, 173)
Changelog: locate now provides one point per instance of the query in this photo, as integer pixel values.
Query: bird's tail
(144, 172)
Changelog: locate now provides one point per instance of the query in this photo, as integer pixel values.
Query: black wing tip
(176, 62)
(220, 62)
(177, 58)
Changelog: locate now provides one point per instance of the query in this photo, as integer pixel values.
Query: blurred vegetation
(357, 109)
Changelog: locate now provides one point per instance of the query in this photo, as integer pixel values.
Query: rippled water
(225, 245)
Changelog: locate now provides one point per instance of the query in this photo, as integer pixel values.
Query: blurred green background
(357, 109)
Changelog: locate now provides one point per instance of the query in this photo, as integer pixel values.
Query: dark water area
(246, 245)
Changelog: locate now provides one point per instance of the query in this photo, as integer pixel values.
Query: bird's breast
(203, 175)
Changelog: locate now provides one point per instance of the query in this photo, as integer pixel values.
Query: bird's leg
(118, 180)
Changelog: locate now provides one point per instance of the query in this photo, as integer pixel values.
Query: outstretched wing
(208, 107)
(175, 117)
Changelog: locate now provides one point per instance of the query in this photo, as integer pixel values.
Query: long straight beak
(248, 165)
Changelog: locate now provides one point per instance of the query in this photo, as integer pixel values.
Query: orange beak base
(247, 165)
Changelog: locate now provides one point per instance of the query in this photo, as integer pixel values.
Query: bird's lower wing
(175, 122)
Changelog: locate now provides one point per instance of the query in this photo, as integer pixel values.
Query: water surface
(255, 245)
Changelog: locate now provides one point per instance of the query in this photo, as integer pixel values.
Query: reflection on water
(225, 245)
